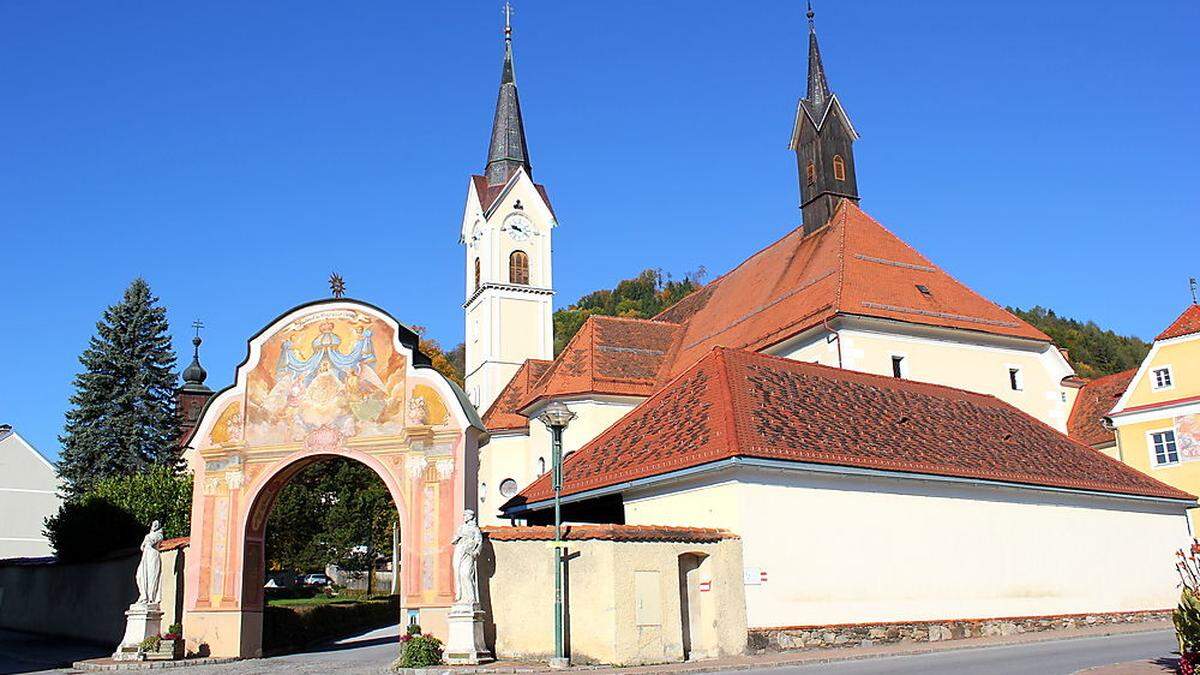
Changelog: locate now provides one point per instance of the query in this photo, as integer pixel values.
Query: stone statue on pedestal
(467, 545)
(464, 643)
(144, 616)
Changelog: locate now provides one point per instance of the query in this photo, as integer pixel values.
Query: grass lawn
(321, 600)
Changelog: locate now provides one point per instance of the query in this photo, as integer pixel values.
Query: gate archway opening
(337, 378)
(325, 514)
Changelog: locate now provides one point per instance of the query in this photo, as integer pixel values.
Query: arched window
(483, 492)
(477, 274)
(811, 173)
(839, 167)
(518, 268)
(541, 465)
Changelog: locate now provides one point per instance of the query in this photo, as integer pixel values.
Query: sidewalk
(817, 656)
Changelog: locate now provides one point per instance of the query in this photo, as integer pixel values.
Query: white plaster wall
(846, 549)
(972, 365)
(28, 495)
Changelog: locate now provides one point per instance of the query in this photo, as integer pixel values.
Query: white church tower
(506, 230)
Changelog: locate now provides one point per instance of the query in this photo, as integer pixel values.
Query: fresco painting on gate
(324, 378)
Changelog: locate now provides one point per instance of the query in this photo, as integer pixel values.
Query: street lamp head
(556, 415)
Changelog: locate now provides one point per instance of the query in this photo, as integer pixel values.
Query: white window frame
(1154, 386)
(1153, 451)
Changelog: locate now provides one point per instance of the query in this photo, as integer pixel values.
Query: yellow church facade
(1157, 419)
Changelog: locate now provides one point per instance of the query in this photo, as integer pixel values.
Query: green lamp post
(556, 417)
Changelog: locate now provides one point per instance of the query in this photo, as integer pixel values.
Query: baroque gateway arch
(334, 378)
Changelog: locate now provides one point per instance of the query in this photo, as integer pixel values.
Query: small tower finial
(1192, 284)
(508, 20)
(194, 375)
(337, 285)
(810, 15)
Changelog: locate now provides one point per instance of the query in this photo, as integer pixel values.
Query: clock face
(519, 227)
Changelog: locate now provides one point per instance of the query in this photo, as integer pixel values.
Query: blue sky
(236, 153)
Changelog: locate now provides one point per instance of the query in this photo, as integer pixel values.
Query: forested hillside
(1093, 351)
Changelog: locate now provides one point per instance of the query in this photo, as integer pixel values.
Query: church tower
(823, 140)
(506, 232)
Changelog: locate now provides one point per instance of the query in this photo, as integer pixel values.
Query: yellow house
(1157, 419)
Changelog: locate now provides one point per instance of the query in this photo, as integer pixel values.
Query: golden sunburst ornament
(337, 285)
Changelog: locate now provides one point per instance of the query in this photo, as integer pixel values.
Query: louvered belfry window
(518, 268)
(839, 167)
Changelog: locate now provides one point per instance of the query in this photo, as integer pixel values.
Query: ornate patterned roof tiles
(734, 403)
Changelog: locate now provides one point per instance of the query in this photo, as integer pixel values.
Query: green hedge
(291, 628)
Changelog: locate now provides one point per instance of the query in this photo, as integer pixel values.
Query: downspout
(833, 337)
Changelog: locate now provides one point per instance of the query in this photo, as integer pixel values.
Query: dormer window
(811, 173)
(518, 268)
(839, 167)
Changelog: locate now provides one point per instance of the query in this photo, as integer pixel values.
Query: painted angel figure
(149, 571)
(468, 542)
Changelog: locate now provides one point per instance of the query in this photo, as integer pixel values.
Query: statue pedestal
(142, 621)
(464, 637)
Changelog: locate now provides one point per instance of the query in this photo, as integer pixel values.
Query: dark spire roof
(507, 150)
(194, 375)
(818, 95)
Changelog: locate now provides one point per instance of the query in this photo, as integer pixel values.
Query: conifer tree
(122, 417)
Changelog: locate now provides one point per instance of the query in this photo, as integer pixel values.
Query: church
(889, 445)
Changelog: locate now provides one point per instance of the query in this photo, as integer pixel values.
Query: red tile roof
(736, 403)
(609, 355)
(689, 535)
(172, 544)
(1186, 324)
(1094, 401)
(853, 266)
(489, 193)
(503, 415)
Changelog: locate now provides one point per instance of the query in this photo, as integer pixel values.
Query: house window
(1165, 451)
(541, 465)
(1015, 380)
(508, 488)
(477, 274)
(898, 366)
(1162, 378)
(839, 167)
(518, 268)
(811, 173)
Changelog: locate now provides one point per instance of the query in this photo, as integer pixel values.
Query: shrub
(150, 644)
(91, 528)
(419, 651)
(288, 628)
(1186, 616)
(116, 513)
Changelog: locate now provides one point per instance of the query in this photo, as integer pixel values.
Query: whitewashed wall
(851, 549)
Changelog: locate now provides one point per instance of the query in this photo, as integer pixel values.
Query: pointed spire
(818, 86)
(507, 151)
(194, 375)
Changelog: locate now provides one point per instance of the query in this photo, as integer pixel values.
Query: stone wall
(864, 635)
(85, 601)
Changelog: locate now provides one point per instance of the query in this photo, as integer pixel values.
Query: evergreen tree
(122, 417)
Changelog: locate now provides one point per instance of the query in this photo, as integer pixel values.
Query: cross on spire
(197, 324)
(508, 10)
(1192, 285)
(194, 375)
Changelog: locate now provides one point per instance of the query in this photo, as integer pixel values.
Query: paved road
(1059, 657)
(26, 652)
(370, 652)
